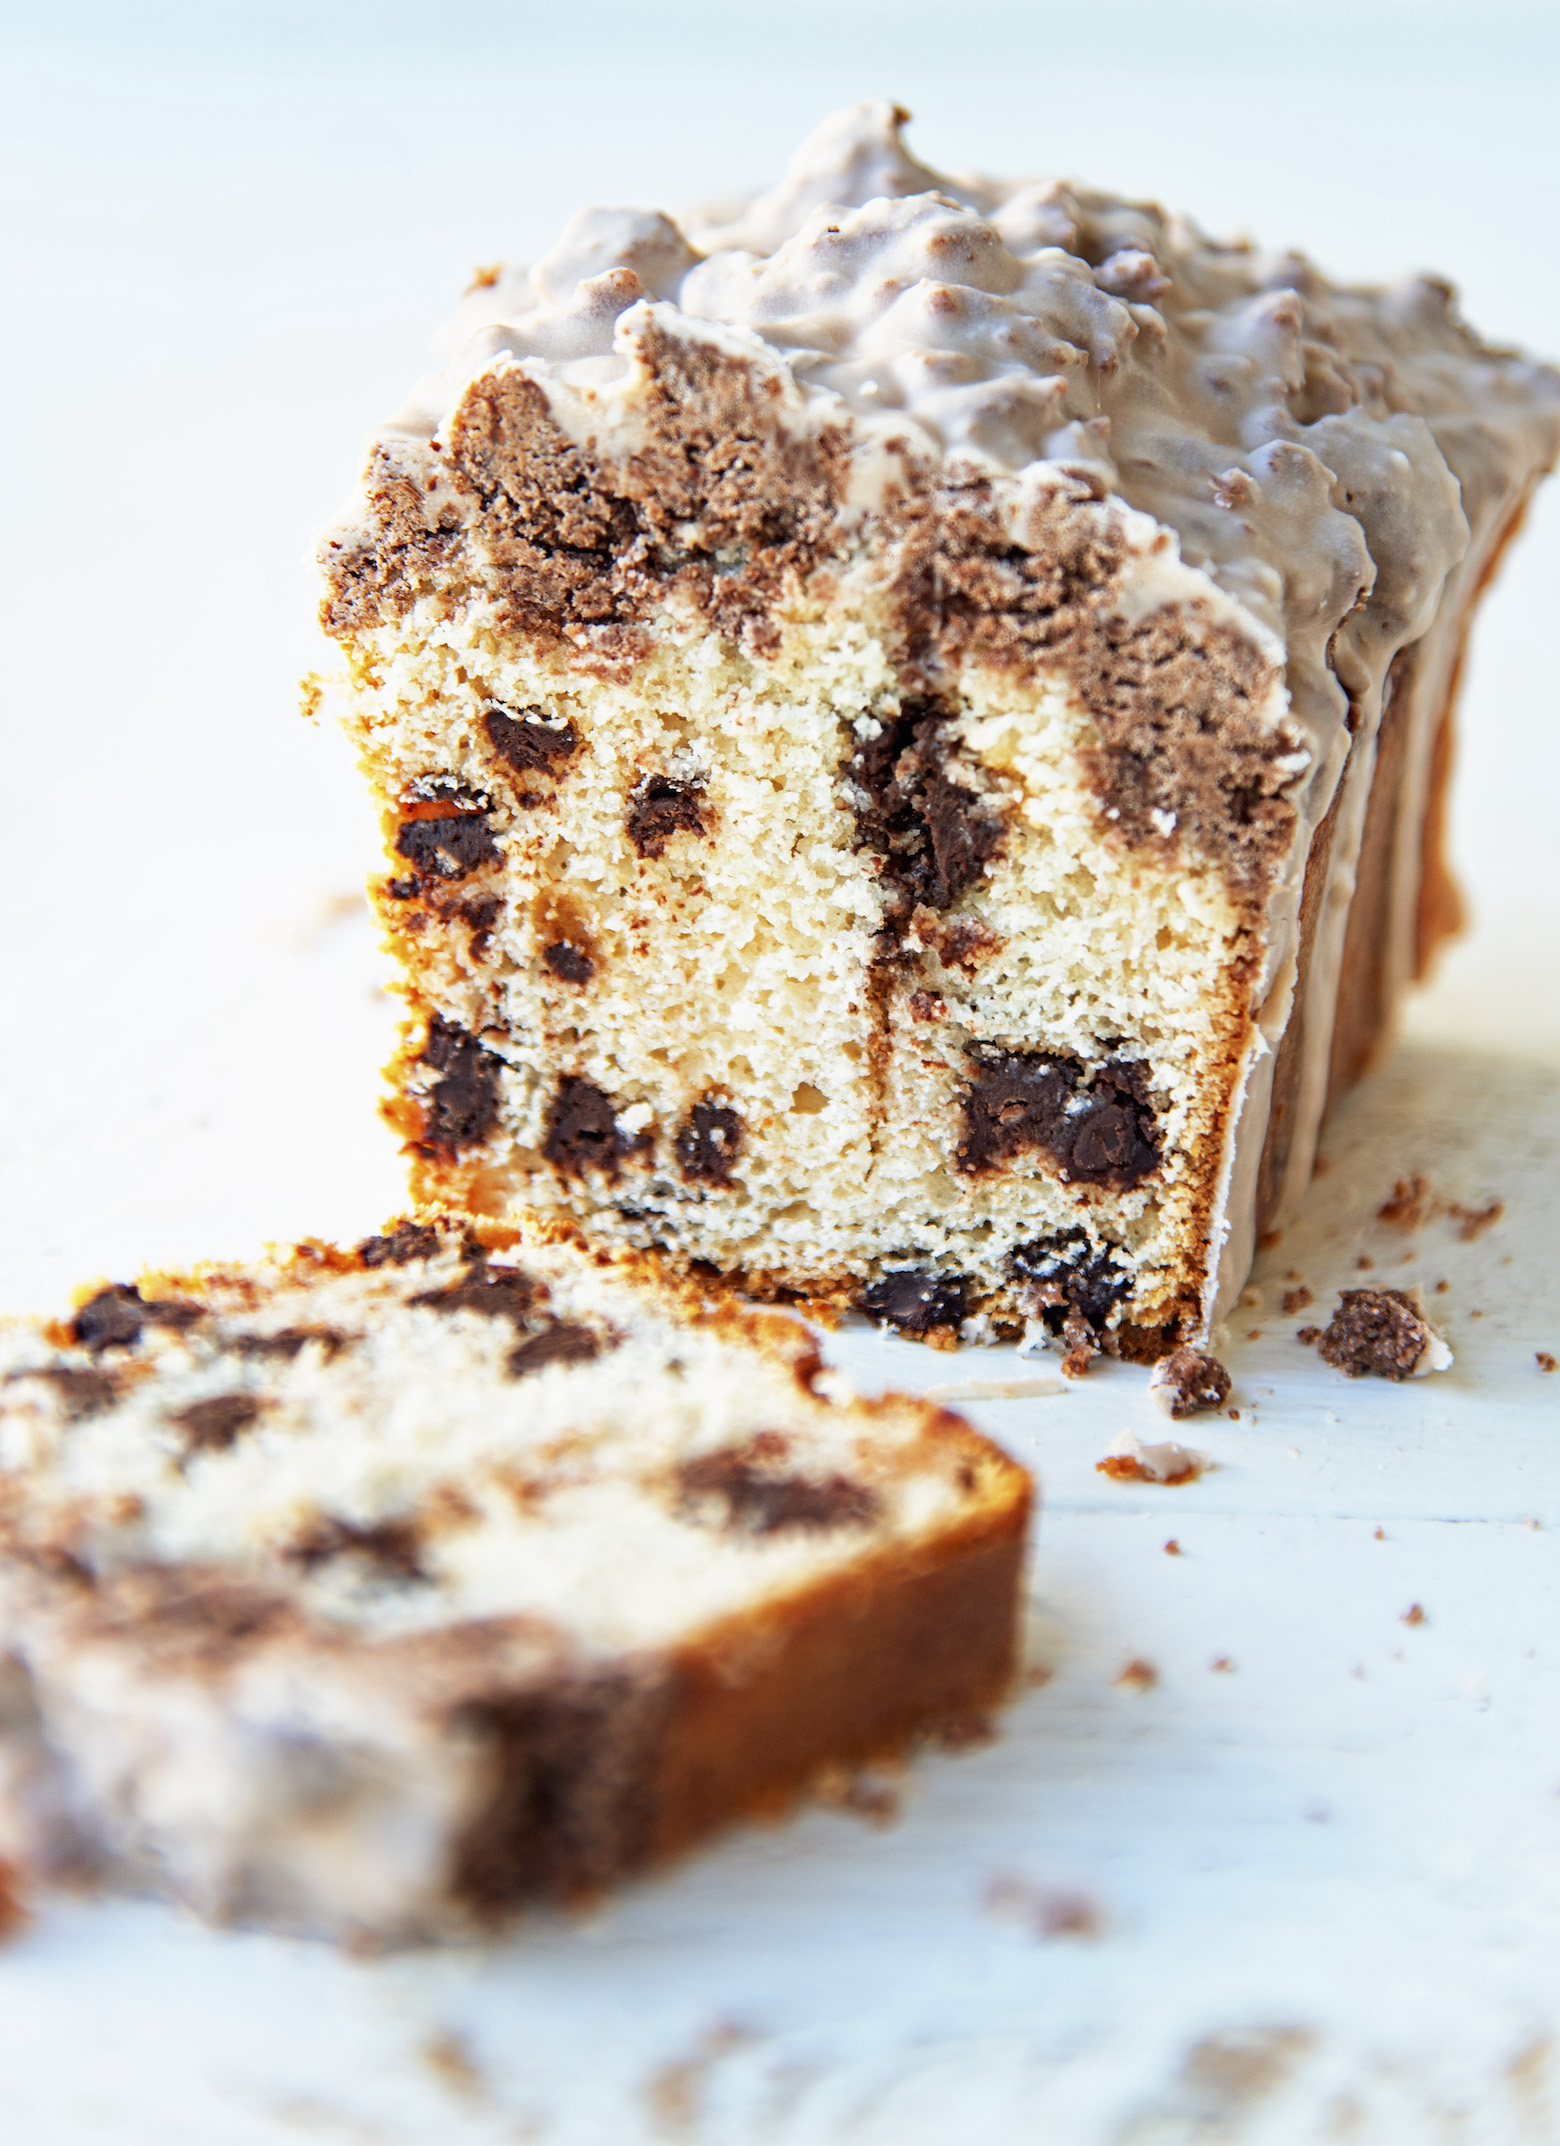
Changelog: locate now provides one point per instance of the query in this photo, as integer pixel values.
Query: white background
(229, 234)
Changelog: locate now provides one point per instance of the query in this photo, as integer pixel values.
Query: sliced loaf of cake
(911, 724)
(376, 1593)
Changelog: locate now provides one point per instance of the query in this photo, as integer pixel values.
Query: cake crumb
(449, 2055)
(1474, 1221)
(1137, 1675)
(1129, 1462)
(1382, 1333)
(1297, 1299)
(1414, 1614)
(1048, 1911)
(863, 1795)
(1409, 1204)
(1545, 1360)
(1308, 1336)
(1365, 1263)
(1172, 1548)
(1381, 1535)
(1222, 1666)
(1186, 1382)
(13, 1913)
(1441, 1288)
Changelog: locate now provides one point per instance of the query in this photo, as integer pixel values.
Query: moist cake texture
(376, 1593)
(911, 723)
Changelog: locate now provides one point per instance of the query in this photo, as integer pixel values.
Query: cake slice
(912, 727)
(377, 1593)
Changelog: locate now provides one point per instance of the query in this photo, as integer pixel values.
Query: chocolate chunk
(1096, 1123)
(462, 1107)
(1186, 1382)
(81, 1390)
(571, 963)
(496, 1292)
(407, 1241)
(212, 1426)
(115, 1317)
(937, 835)
(1070, 1277)
(481, 915)
(529, 742)
(582, 1130)
(290, 1341)
(394, 1547)
(917, 1301)
(402, 890)
(708, 1143)
(740, 1487)
(447, 849)
(660, 808)
(560, 1344)
(1375, 1333)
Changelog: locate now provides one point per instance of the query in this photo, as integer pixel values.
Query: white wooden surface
(1311, 1895)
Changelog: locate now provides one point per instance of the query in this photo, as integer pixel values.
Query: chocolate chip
(917, 1301)
(447, 849)
(394, 1546)
(1096, 1123)
(81, 1391)
(530, 742)
(740, 1488)
(112, 1319)
(1375, 1333)
(115, 1317)
(212, 1426)
(407, 1241)
(560, 1344)
(1068, 1274)
(496, 1292)
(570, 962)
(481, 915)
(936, 835)
(290, 1341)
(462, 1107)
(708, 1143)
(660, 808)
(582, 1130)
(402, 890)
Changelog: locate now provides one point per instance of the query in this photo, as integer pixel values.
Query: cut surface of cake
(374, 1594)
(912, 725)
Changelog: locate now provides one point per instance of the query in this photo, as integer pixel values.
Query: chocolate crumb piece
(661, 807)
(708, 1143)
(1379, 1333)
(1545, 1359)
(447, 849)
(406, 1241)
(496, 1292)
(116, 1316)
(212, 1426)
(290, 1341)
(82, 1391)
(571, 963)
(582, 1130)
(1308, 1336)
(1096, 1123)
(462, 1107)
(530, 742)
(392, 1547)
(742, 1488)
(1409, 1204)
(1186, 1382)
(917, 1301)
(1294, 1300)
(560, 1344)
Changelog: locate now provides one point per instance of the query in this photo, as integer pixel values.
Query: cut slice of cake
(912, 727)
(376, 1593)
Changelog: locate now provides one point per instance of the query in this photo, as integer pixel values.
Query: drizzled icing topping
(1310, 445)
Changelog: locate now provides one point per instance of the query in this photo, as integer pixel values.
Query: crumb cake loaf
(911, 721)
(374, 1593)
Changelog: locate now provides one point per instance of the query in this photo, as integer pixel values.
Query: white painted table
(1311, 1894)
